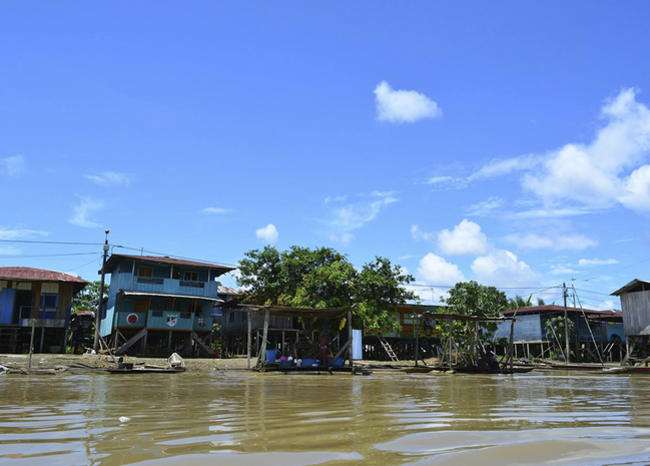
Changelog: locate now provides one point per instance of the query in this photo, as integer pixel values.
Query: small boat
(503, 370)
(418, 370)
(627, 370)
(146, 370)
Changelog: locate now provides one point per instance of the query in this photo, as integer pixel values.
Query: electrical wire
(29, 241)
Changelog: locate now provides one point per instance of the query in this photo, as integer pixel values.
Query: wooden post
(248, 339)
(40, 346)
(417, 339)
(512, 336)
(350, 339)
(31, 342)
(261, 356)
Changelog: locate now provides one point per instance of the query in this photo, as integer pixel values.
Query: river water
(273, 419)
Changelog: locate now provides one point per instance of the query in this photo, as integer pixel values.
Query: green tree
(323, 277)
(471, 299)
(88, 298)
(379, 287)
(554, 328)
(518, 302)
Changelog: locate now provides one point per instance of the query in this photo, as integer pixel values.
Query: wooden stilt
(350, 360)
(417, 340)
(248, 340)
(261, 356)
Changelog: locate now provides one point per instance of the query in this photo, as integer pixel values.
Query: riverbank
(93, 361)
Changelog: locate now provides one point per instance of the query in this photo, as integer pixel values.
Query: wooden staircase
(388, 349)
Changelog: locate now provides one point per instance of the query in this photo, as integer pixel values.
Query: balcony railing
(45, 318)
(126, 281)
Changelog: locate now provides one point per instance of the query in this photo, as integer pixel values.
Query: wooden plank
(202, 344)
(131, 341)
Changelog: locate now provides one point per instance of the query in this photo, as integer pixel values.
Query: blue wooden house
(39, 297)
(532, 339)
(158, 305)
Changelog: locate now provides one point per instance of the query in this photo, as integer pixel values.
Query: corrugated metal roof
(634, 285)
(38, 275)
(115, 258)
(553, 308)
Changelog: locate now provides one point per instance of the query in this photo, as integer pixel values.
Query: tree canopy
(323, 277)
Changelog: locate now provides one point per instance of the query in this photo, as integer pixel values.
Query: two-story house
(38, 297)
(158, 304)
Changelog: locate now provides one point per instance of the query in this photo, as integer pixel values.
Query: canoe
(627, 370)
(418, 370)
(146, 370)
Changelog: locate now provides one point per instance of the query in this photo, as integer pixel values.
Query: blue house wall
(168, 299)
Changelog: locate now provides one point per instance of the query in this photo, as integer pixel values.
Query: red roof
(553, 308)
(38, 275)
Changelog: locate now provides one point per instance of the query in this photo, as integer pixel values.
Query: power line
(28, 241)
(34, 256)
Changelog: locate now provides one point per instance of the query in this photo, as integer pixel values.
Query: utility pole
(566, 325)
(102, 283)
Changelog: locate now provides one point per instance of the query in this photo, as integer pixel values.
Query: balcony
(128, 282)
(164, 320)
(45, 318)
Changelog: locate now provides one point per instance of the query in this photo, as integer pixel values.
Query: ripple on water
(245, 418)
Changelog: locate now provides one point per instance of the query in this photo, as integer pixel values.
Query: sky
(504, 142)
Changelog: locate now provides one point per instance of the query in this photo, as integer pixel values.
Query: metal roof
(288, 311)
(553, 308)
(634, 285)
(169, 295)
(115, 258)
(39, 275)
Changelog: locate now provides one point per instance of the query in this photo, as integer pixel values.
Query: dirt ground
(86, 361)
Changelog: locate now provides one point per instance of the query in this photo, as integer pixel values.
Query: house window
(49, 301)
(191, 276)
(146, 272)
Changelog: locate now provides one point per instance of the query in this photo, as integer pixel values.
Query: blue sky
(504, 142)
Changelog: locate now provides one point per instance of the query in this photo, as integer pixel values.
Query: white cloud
(346, 218)
(557, 242)
(465, 238)
(596, 261)
(14, 165)
(596, 175)
(503, 268)
(109, 178)
(401, 106)
(20, 233)
(486, 207)
(550, 212)
(563, 270)
(82, 212)
(418, 234)
(215, 211)
(500, 167)
(436, 270)
(269, 234)
(428, 294)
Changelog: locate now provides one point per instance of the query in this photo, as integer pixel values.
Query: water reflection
(245, 418)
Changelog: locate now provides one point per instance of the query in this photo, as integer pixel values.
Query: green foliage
(471, 299)
(322, 278)
(88, 298)
(519, 302)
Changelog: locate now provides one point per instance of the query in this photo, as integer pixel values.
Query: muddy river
(242, 418)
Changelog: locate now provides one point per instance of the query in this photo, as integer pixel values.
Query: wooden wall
(636, 312)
